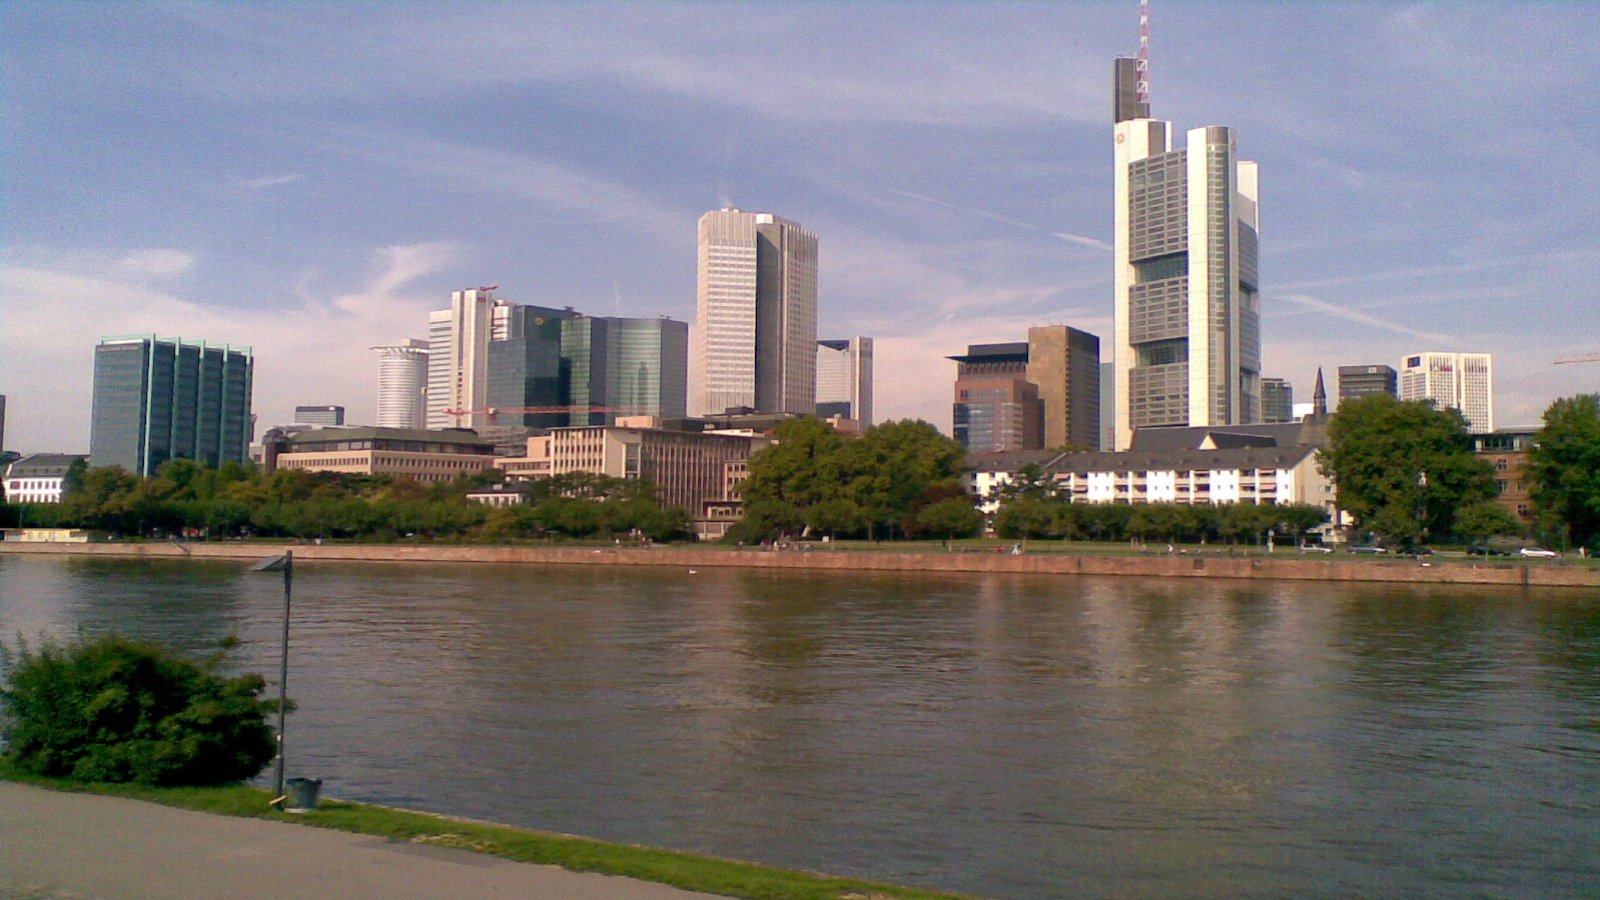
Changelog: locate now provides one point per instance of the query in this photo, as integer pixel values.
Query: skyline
(228, 174)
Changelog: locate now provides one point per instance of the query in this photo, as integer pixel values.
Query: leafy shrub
(114, 709)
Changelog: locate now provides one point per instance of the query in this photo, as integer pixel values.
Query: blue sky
(311, 179)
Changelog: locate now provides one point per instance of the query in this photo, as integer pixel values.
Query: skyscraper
(320, 416)
(1188, 333)
(844, 379)
(403, 384)
(755, 330)
(160, 399)
(1360, 381)
(1277, 400)
(1065, 365)
(458, 357)
(584, 370)
(996, 407)
(1460, 381)
(647, 367)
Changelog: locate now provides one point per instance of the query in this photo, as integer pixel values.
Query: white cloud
(1080, 240)
(1362, 318)
(269, 181)
(156, 262)
(508, 173)
(312, 354)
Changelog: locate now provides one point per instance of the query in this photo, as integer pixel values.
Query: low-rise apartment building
(1258, 475)
(38, 477)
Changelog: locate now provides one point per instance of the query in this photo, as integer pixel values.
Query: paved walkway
(61, 845)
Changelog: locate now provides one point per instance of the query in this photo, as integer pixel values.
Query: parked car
(1367, 548)
(1537, 553)
(1315, 548)
(1487, 550)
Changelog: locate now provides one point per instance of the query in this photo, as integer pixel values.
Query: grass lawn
(685, 870)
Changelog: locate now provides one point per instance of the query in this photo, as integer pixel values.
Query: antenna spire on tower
(1142, 61)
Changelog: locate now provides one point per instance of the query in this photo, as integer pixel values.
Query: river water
(1008, 736)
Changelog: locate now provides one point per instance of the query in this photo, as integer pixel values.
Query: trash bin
(301, 794)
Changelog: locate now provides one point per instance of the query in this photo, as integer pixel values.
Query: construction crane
(1579, 359)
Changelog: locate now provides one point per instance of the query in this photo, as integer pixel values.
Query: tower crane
(1579, 359)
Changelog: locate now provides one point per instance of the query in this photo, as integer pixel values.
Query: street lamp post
(285, 563)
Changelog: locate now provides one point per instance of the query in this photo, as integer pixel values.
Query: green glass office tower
(585, 370)
(157, 399)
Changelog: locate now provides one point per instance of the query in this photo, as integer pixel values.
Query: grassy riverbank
(1035, 558)
(684, 870)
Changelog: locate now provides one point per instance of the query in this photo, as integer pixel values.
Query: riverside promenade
(1286, 565)
(58, 845)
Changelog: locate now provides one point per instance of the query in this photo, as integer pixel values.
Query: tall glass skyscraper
(157, 399)
(647, 366)
(1188, 315)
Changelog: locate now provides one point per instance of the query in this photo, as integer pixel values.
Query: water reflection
(1006, 735)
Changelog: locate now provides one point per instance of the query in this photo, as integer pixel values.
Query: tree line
(1407, 473)
(186, 498)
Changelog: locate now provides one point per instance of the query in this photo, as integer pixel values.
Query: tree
(951, 517)
(1299, 518)
(1403, 469)
(114, 709)
(801, 469)
(895, 464)
(1028, 517)
(1564, 466)
(1483, 520)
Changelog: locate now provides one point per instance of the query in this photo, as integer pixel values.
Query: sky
(309, 179)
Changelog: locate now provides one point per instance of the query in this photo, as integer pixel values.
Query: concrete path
(59, 845)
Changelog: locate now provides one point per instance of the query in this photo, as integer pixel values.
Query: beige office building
(1065, 363)
(696, 471)
(754, 342)
(430, 456)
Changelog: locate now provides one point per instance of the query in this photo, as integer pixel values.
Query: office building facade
(319, 416)
(1364, 381)
(157, 399)
(647, 367)
(1459, 381)
(1187, 291)
(458, 357)
(755, 330)
(1277, 401)
(1064, 363)
(403, 384)
(844, 379)
(996, 408)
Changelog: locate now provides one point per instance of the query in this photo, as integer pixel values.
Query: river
(1007, 736)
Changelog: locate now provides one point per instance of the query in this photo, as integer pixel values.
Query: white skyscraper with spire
(1187, 289)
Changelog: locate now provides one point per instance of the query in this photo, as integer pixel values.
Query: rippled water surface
(1006, 736)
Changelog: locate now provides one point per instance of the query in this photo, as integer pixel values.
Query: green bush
(113, 709)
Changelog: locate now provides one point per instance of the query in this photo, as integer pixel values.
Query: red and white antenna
(1142, 61)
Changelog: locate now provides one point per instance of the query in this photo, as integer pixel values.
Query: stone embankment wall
(1296, 568)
